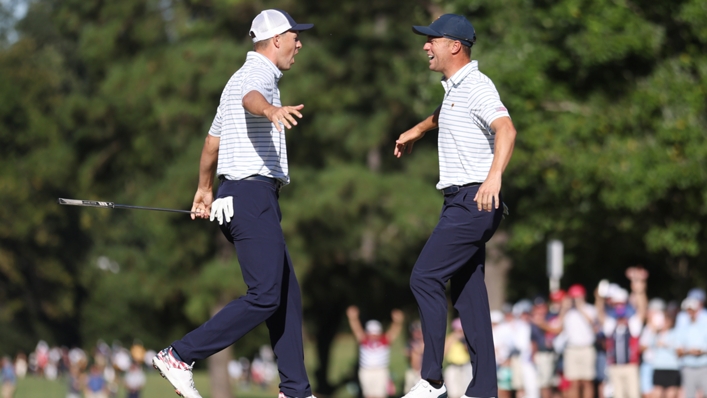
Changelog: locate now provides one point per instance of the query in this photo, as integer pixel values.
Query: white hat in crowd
(656, 304)
(697, 293)
(374, 327)
(690, 303)
(496, 316)
(619, 295)
(522, 307)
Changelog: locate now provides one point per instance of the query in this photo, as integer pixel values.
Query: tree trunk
(218, 363)
(497, 267)
(327, 323)
(218, 369)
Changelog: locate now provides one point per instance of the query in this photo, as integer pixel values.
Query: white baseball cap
(691, 303)
(269, 23)
(496, 316)
(619, 295)
(374, 327)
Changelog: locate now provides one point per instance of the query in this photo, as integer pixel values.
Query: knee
(267, 300)
(421, 282)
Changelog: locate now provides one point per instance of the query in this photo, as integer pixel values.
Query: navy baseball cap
(274, 22)
(451, 26)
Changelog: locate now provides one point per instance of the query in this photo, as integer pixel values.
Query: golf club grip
(89, 203)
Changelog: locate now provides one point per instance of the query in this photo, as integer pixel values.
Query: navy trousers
(456, 252)
(273, 294)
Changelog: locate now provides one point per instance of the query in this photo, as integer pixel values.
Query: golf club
(111, 205)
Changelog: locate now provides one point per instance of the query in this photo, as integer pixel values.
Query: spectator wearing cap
(655, 321)
(457, 373)
(692, 350)
(525, 376)
(659, 339)
(544, 328)
(621, 329)
(579, 363)
(374, 352)
(683, 318)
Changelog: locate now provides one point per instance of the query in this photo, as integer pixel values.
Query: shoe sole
(156, 362)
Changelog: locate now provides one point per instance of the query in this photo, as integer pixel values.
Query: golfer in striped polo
(246, 148)
(476, 138)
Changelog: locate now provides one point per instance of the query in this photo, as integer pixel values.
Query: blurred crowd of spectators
(97, 374)
(622, 346)
(107, 369)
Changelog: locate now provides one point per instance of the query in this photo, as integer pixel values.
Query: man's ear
(456, 47)
(276, 41)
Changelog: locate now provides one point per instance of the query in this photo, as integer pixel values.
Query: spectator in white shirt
(578, 324)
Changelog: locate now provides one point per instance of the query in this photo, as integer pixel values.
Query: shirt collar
(460, 75)
(254, 56)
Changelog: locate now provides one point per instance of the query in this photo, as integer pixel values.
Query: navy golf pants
(456, 252)
(273, 294)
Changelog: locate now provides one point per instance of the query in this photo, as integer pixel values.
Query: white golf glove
(222, 209)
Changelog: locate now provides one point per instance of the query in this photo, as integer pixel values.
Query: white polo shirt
(466, 142)
(579, 330)
(250, 144)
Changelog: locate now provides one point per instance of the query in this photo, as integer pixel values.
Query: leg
(633, 383)
(469, 297)
(260, 246)
(460, 233)
(285, 327)
(689, 382)
(587, 388)
(615, 380)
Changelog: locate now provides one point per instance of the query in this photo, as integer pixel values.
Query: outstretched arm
(355, 323)
(257, 105)
(638, 276)
(408, 138)
(207, 169)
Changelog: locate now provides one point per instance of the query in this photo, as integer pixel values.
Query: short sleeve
(609, 326)
(635, 325)
(215, 129)
(485, 104)
(261, 81)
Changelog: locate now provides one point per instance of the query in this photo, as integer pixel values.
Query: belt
(456, 188)
(257, 177)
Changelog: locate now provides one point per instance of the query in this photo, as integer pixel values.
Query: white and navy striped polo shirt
(466, 141)
(250, 144)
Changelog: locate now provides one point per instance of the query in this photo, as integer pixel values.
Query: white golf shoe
(423, 389)
(176, 372)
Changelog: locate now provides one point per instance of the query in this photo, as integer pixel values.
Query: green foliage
(112, 100)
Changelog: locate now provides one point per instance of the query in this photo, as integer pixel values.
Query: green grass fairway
(344, 355)
(156, 387)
